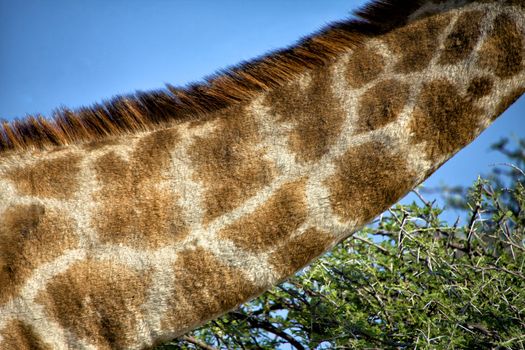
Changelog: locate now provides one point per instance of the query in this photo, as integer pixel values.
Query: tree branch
(364, 240)
(267, 326)
(197, 342)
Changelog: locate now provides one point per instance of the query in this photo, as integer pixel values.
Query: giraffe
(129, 223)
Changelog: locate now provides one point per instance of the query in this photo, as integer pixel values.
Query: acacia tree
(408, 280)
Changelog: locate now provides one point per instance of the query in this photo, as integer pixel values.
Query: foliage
(409, 280)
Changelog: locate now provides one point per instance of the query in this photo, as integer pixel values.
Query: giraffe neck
(132, 240)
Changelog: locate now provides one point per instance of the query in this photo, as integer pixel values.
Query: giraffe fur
(121, 228)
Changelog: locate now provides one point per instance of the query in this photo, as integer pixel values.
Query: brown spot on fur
(228, 164)
(504, 50)
(21, 336)
(518, 3)
(275, 220)
(480, 87)
(381, 104)
(417, 42)
(99, 144)
(444, 119)
(364, 66)
(52, 178)
(135, 210)
(30, 235)
(204, 288)
(507, 101)
(369, 179)
(299, 251)
(315, 112)
(463, 38)
(99, 301)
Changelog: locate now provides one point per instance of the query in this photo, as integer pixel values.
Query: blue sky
(73, 53)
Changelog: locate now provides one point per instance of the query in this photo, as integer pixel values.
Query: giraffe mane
(143, 111)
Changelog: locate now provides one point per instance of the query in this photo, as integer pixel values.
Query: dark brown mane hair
(147, 110)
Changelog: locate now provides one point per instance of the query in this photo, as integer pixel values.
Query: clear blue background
(73, 53)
